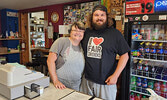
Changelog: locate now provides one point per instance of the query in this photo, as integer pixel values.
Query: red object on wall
(140, 7)
(0, 22)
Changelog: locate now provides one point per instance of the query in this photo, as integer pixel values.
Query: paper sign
(63, 29)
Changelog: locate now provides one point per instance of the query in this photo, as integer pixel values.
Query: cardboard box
(3, 49)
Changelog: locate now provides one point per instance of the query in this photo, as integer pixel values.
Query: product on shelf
(160, 52)
(157, 87)
(134, 67)
(142, 33)
(145, 69)
(138, 97)
(148, 32)
(163, 89)
(159, 72)
(144, 85)
(164, 74)
(151, 84)
(155, 35)
(141, 50)
(139, 85)
(147, 50)
(133, 83)
(132, 96)
(153, 53)
(152, 70)
(165, 51)
(139, 68)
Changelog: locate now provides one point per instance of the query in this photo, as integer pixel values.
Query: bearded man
(101, 44)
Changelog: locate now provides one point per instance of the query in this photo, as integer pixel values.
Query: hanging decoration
(107, 4)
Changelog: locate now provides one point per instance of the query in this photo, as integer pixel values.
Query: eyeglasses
(80, 31)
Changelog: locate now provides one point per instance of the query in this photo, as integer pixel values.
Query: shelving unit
(37, 35)
(148, 67)
(11, 39)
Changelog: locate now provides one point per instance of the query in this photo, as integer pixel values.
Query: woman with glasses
(66, 61)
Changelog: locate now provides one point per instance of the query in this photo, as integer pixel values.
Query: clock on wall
(54, 17)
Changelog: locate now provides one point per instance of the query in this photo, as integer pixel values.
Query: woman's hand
(59, 85)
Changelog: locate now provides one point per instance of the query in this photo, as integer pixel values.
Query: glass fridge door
(148, 66)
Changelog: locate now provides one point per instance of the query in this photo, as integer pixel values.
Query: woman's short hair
(78, 25)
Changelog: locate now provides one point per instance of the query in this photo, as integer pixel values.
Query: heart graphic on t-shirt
(97, 41)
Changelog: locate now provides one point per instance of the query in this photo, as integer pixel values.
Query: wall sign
(160, 6)
(139, 7)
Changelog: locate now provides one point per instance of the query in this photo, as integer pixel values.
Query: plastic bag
(154, 96)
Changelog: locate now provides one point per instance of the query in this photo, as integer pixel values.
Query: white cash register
(13, 78)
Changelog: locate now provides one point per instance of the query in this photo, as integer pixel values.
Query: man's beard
(99, 27)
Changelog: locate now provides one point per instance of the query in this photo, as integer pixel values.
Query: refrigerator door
(147, 67)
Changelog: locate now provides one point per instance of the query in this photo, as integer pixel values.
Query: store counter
(51, 93)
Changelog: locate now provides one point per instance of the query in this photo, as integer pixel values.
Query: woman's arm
(52, 70)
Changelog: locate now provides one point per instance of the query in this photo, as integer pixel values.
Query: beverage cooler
(147, 66)
(146, 33)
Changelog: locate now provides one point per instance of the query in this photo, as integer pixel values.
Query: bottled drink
(133, 83)
(148, 32)
(132, 96)
(160, 52)
(151, 84)
(139, 86)
(159, 72)
(157, 87)
(134, 67)
(152, 70)
(142, 33)
(164, 74)
(139, 68)
(145, 69)
(163, 89)
(144, 85)
(155, 35)
(161, 33)
(165, 51)
(153, 53)
(138, 97)
(141, 50)
(147, 50)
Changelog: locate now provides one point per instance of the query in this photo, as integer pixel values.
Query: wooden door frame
(24, 32)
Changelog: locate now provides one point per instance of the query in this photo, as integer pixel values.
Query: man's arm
(120, 66)
(52, 70)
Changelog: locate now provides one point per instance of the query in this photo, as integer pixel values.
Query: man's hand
(59, 85)
(111, 80)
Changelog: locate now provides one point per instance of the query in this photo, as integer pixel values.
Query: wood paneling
(23, 20)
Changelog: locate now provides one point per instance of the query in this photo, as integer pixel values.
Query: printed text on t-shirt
(94, 48)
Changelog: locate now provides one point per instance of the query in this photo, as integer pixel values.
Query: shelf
(10, 39)
(36, 24)
(9, 53)
(149, 78)
(140, 92)
(149, 41)
(149, 59)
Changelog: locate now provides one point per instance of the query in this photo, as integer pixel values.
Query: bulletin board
(78, 12)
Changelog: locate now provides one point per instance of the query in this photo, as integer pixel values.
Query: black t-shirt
(100, 50)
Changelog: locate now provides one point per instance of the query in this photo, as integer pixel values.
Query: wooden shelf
(5, 53)
(10, 39)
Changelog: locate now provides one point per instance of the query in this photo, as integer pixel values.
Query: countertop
(51, 93)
